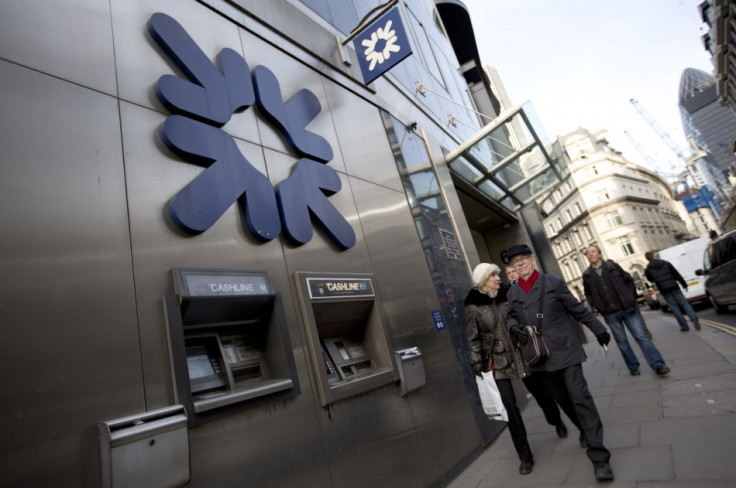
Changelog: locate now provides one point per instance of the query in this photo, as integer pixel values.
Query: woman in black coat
(489, 341)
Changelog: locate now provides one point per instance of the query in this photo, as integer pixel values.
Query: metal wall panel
(140, 62)
(439, 410)
(70, 39)
(69, 337)
(90, 260)
(360, 137)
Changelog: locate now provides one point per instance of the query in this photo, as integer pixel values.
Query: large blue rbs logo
(206, 102)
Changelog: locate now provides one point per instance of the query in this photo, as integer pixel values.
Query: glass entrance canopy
(509, 160)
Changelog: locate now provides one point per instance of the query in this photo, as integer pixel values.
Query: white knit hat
(482, 272)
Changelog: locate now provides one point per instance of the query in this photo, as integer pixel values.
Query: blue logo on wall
(204, 104)
(382, 45)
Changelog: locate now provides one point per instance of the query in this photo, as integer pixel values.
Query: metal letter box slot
(411, 369)
(149, 450)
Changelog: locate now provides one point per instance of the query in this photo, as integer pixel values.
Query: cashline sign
(340, 287)
(210, 285)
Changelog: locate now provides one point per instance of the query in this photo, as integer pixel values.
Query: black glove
(603, 338)
(478, 373)
(519, 334)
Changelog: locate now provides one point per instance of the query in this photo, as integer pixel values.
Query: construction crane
(688, 160)
(642, 152)
(650, 161)
(684, 157)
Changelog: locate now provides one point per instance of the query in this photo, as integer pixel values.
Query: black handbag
(535, 351)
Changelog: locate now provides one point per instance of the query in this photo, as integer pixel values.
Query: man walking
(611, 292)
(666, 277)
(512, 275)
(562, 372)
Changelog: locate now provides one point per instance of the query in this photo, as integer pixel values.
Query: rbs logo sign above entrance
(204, 104)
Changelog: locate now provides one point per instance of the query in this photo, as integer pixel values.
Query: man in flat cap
(562, 371)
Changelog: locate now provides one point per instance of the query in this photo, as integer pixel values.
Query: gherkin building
(708, 124)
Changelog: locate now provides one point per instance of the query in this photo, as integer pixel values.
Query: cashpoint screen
(199, 366)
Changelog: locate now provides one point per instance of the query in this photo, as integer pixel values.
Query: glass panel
(425, 51)
(464, 169)
(490, 189)
(449, 274)
(482, 154)
(513, 150)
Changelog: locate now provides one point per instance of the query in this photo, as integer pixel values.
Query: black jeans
(569, 385)
(516, 423)
(538, 388)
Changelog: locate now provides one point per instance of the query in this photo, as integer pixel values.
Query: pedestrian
(535, 385)
(666, 277)
(489, 344)
(511, 275)
(611, 292)
(562, 372)
(454, 305)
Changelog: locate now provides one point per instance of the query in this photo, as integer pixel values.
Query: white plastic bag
(490, 397)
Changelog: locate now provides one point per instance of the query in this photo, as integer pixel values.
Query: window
(568, 213)
(625, 245)
(425, 52)
(578, 208)
(559, 222)
(551, 229)
(602, 195)
(578, 239)
(613, 219)
(588, 233)
(566, 270)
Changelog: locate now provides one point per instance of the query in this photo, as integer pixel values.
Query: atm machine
(346, 333)
(228, 340)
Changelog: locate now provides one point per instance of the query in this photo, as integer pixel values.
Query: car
(639, 296)
(719, 268)
(650, 297)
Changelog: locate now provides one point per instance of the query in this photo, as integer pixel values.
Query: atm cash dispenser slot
(346, 332)
(228, 339)
(349, 357)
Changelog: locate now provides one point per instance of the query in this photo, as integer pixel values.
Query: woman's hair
(482, 272)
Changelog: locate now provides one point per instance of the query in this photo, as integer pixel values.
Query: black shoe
(602, 471)
(583, 441)
(634, 372)
(526, 467)
(686, 329)
(561, 430)
(696, 324)
(662, 370)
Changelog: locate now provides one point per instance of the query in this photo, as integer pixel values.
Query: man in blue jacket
(611, 291)
(562, 371)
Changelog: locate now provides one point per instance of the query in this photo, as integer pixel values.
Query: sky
(579, 62)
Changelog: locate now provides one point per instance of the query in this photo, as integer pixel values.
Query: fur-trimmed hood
(478, 298)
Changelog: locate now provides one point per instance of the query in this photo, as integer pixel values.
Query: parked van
(687, 258)
(719, 266)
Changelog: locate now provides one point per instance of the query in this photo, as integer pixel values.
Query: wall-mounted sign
(439, 321)
(382, 45)
(340, 287)
(206, 102)
(210, 283)
(451, 245)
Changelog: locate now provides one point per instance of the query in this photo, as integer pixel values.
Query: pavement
(673, 431)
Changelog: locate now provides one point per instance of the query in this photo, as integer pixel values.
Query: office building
(624, 209)
(709, 125)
